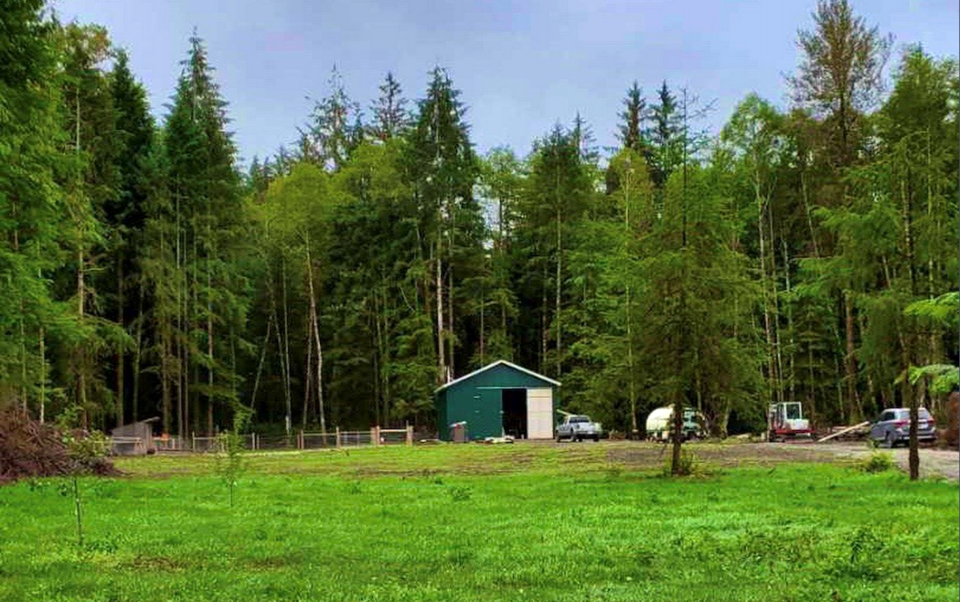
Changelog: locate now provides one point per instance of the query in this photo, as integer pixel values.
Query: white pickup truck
(577, 427)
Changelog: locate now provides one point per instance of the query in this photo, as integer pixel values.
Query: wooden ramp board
(844, 431)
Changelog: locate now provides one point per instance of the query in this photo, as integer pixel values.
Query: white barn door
(540, 413)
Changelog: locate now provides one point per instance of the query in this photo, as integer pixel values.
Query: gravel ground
(933, 462)
(645, 455)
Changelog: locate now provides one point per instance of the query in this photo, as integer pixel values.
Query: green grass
(482, 523)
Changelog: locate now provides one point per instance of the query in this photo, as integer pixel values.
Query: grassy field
(522, 522)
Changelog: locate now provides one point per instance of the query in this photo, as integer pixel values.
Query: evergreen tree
(390, 117)
(30, 201)
(840, 74)
(330, 132)
(631, 120)
(91, 184)
(664, 136)
(557, 197)
(501, 180)
(198, 225)
(125, 219)
(443, 169)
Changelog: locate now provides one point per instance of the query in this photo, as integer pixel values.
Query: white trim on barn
(540, 413)
(494, 364)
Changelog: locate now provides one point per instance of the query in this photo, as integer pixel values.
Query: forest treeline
(807, 254)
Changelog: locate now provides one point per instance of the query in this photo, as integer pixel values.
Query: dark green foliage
(807, 255)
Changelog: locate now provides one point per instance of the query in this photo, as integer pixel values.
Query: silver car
(893, 426)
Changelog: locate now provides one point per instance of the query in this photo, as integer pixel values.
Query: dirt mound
(31, 449)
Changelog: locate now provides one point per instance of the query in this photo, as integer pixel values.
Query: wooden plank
(843, 431)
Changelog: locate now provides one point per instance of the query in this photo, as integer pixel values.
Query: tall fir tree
(30, 202)
(443, 170)
(390, 116)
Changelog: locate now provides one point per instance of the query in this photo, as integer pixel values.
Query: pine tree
(664, 136)
(631, 120)
(501, 180)
(198, 226)
(30, 215)
(91, 183)
(443, 170)
(557, 197)
(840, 75)
(125, 220)
(390, 117)
(330, 131)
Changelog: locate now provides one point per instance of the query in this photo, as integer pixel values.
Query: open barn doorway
(514, 412)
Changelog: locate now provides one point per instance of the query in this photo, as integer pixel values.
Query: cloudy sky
(521, 66)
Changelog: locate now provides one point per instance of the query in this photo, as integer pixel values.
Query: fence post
(193, 441)
(375, 435)
(338, 437)
(409, 435)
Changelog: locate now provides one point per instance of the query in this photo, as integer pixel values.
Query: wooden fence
(375, 437)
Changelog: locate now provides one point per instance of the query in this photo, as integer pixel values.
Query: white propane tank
(658, 423)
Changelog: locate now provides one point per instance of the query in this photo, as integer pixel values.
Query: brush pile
(31, 449)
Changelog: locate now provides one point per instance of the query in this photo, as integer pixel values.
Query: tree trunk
(81, 358)
(120, 355)
(286, 345)
(43, 378)
(263, 356)
(557, 316)
(792, 376)
(210, 358)
(451, 338)
(907, 218)
(853, 397)
(441, 356)
(137, 351)
(483, 324)
(314, 318)
(771, 370)
(308, 373)
(170, 348)
(776, 308)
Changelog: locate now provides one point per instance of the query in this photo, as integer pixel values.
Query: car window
(887, 415)
(793, 411)
(578, 419)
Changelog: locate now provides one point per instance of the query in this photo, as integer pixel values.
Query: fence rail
(374, 436)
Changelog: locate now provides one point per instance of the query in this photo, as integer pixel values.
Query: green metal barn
(499, 399)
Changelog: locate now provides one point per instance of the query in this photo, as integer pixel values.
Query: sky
(521, 66)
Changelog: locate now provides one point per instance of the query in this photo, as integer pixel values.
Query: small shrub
(613, 472)
(230, 461)
(689, 465)
(459, 493)
(862, 557)
(876, 462)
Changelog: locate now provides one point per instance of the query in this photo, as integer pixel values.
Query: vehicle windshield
(793, 411)
(574, 419)
(905, 414)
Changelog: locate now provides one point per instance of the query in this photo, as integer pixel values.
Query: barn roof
(494, 365)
